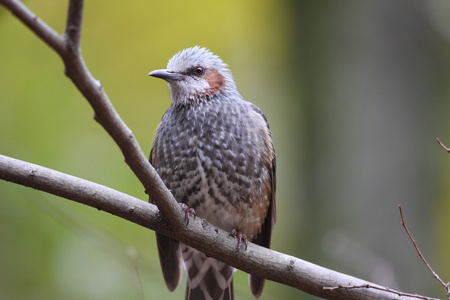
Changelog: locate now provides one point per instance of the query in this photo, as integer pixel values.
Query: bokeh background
(355, 92)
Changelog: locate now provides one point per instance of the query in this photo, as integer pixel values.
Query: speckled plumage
(213, 150)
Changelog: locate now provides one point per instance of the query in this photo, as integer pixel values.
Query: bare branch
(368, 286)
(442, 145)
(200, 234)
(79, 190)
(105, 113)
(435, 275)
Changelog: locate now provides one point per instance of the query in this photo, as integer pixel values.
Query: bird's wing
(169, 253)
(264, 237)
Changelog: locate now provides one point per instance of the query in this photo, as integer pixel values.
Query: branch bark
(67, 46)
(215, 242)
(168, 220)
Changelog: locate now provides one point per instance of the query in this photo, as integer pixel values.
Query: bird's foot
(241, 238)
(187, 212)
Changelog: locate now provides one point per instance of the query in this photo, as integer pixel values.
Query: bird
(214, 152)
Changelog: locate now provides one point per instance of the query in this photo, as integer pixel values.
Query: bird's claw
(187, 212)
(241, 238)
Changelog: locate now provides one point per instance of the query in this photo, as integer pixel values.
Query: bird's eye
(199, 71)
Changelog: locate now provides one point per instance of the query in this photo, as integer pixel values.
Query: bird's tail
(207, 278)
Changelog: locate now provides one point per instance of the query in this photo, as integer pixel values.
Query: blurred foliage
(298, 61)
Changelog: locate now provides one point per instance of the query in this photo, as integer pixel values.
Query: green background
(355, 93)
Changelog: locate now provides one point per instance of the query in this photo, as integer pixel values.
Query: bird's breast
(211, 159)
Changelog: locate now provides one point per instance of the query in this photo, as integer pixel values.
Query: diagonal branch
(442, 145)
(105, 114)
(200, 234)
(435, 275)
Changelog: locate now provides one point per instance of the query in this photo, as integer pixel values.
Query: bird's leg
(241, 238)
(187, 212)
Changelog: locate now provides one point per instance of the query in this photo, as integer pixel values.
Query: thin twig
(442, 145)
(386, 289)
(435, 275)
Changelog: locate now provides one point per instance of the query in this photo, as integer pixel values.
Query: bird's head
(195, 75)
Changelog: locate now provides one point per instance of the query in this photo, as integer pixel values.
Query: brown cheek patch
(216, 82)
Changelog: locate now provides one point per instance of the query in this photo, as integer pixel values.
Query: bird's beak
(166, 75)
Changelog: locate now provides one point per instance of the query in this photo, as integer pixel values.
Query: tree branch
(442, 145)
(105, 114)
(368, 286)
(435, 275)
(200, 234)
